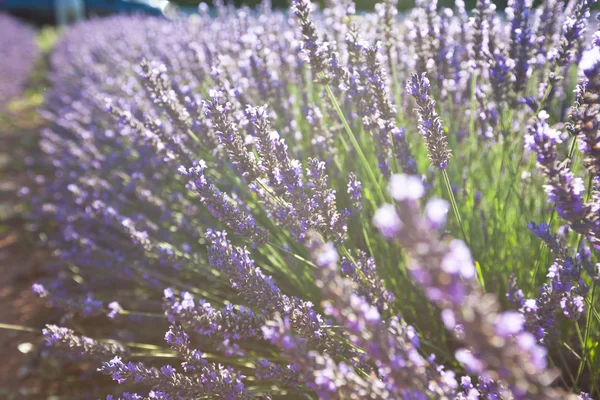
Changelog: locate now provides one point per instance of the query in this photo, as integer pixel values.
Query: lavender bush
(18, 52)
(324, 205)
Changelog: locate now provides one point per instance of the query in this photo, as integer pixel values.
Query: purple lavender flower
(363, 271)
(84, 347)
(392, 346)
(355, 191)
(446, 273)
(481, 21)
(84, 306)
(215, 381)
(563, 292)
(430, 124)
(500, 78)
(564, 53)
(220, 110)
(180, 342)
(222, 207)
(365, 83)
(563, 188)
(387, 13)
(260, 290)
(208, 379)
(239, 323)
(572, 306)
(135, 396)
(584, 118)
(288, 375)
(521, 41)
(316, 49)
(18, 52)
(331, 222)
(401, 151)
(321, 372)
(573, 29)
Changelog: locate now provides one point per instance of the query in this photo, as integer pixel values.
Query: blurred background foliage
(360, 4)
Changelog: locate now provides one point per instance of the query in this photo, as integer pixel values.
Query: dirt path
(20, 262)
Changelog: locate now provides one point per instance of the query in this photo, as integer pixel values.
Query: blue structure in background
(67, 11)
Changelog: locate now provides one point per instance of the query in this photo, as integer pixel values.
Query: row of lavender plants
(317, 204)
(18, 53)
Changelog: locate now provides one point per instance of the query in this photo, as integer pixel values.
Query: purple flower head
(430, 124)
(436, 212)
(315, 49)
(327, 256)
(509, 323)
(81, 346)
(355, 191)
(521, 41)
(406, 187)
(445, 271)
(458, 260)
(471, 363)
(584, 117)
(115, 309)
(572, 305)
(563, 188)
(18, 52)
(386, 220)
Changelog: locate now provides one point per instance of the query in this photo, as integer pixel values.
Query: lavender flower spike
(17, 54)
(229, 323)
(320, 372)
(586, 118)
(430, 124)
(82, 346)
(214, 380)
(563, 188)
(313, 47)
(392, 345)
(260, 290)
(221, 206)
(220, 111)
(521, 41)
(355, 191)
(495, 344)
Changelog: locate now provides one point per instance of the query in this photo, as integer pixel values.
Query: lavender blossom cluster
(18, 53)
(263, 188)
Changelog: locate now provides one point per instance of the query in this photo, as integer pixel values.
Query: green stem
(397, 92)
(589, 321)
(154, 355)
(296, 256)
(355, 144)
(454, 204)
(460, 223)
(572, 151)
(583, 358)
(588, 327)
(472, 117)
(538, 261)
(544, 98)
(18, 328)
(565, 367)
(542, 246)
(142, 314)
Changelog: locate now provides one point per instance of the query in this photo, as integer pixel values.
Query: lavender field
(315, 203)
